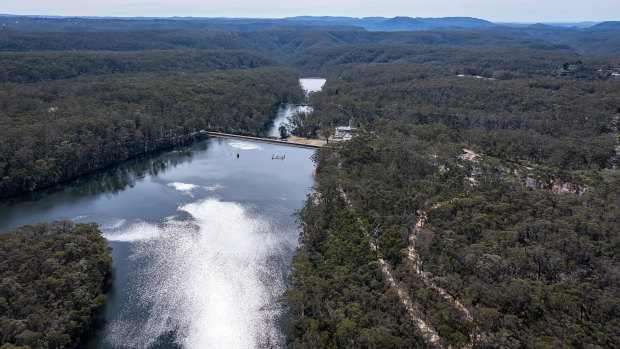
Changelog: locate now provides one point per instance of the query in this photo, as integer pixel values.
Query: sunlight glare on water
(210, 278)
(244, 145)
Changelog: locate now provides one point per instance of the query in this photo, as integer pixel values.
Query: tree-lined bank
(57, 130)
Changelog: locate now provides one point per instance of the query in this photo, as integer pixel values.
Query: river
(309, 85)
(202, 237)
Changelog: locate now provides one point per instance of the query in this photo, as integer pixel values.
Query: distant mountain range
(397, 23)
(59, 23)
(607, 25)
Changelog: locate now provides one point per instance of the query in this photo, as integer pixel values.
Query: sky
(524, 11)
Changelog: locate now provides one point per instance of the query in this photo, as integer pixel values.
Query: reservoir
(202, 237)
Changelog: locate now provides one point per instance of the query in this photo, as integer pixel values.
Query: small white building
(344, 133)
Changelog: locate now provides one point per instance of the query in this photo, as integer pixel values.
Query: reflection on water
(201, 241)
(52, 203)
(115, 178)
(125, 174)
(201, 235)
(212, 278)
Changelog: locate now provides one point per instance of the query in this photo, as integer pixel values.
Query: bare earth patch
(303, 140)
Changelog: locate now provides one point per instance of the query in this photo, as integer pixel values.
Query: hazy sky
(493, 10)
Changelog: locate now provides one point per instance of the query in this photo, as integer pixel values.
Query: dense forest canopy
(545, 120)
(56, 130)
(282, 42)
(478, 206)
(489, 61)
(532, 268)
(52, 280)
(36, 66)
(482, 249)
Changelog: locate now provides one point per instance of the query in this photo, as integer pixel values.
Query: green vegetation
(160, 87)
(530, 267)
(497, 62)
(59, 129)
(271, 43)
(52, 279)
(280, 42)
(515, 247)
(555, 121)
(537, 268)
(30, 67)
(339, 297)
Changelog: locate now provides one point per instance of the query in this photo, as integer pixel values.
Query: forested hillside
(492, 61)
(272, 43)
(553, 121)
(59, 129)
(52, 280)
(588, 42)
(529, 267)
(593, 41)
(489, 61)
(478, 206)
(475, 206)
(36, 66)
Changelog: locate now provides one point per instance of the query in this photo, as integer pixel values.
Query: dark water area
(201, 241)
(202, 238)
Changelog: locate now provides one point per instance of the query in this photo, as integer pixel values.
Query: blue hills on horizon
(401, 23)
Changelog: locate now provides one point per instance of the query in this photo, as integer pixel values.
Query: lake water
(202, 240)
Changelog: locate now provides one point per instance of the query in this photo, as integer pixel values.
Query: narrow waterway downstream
(309, 85)
(202, 239)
